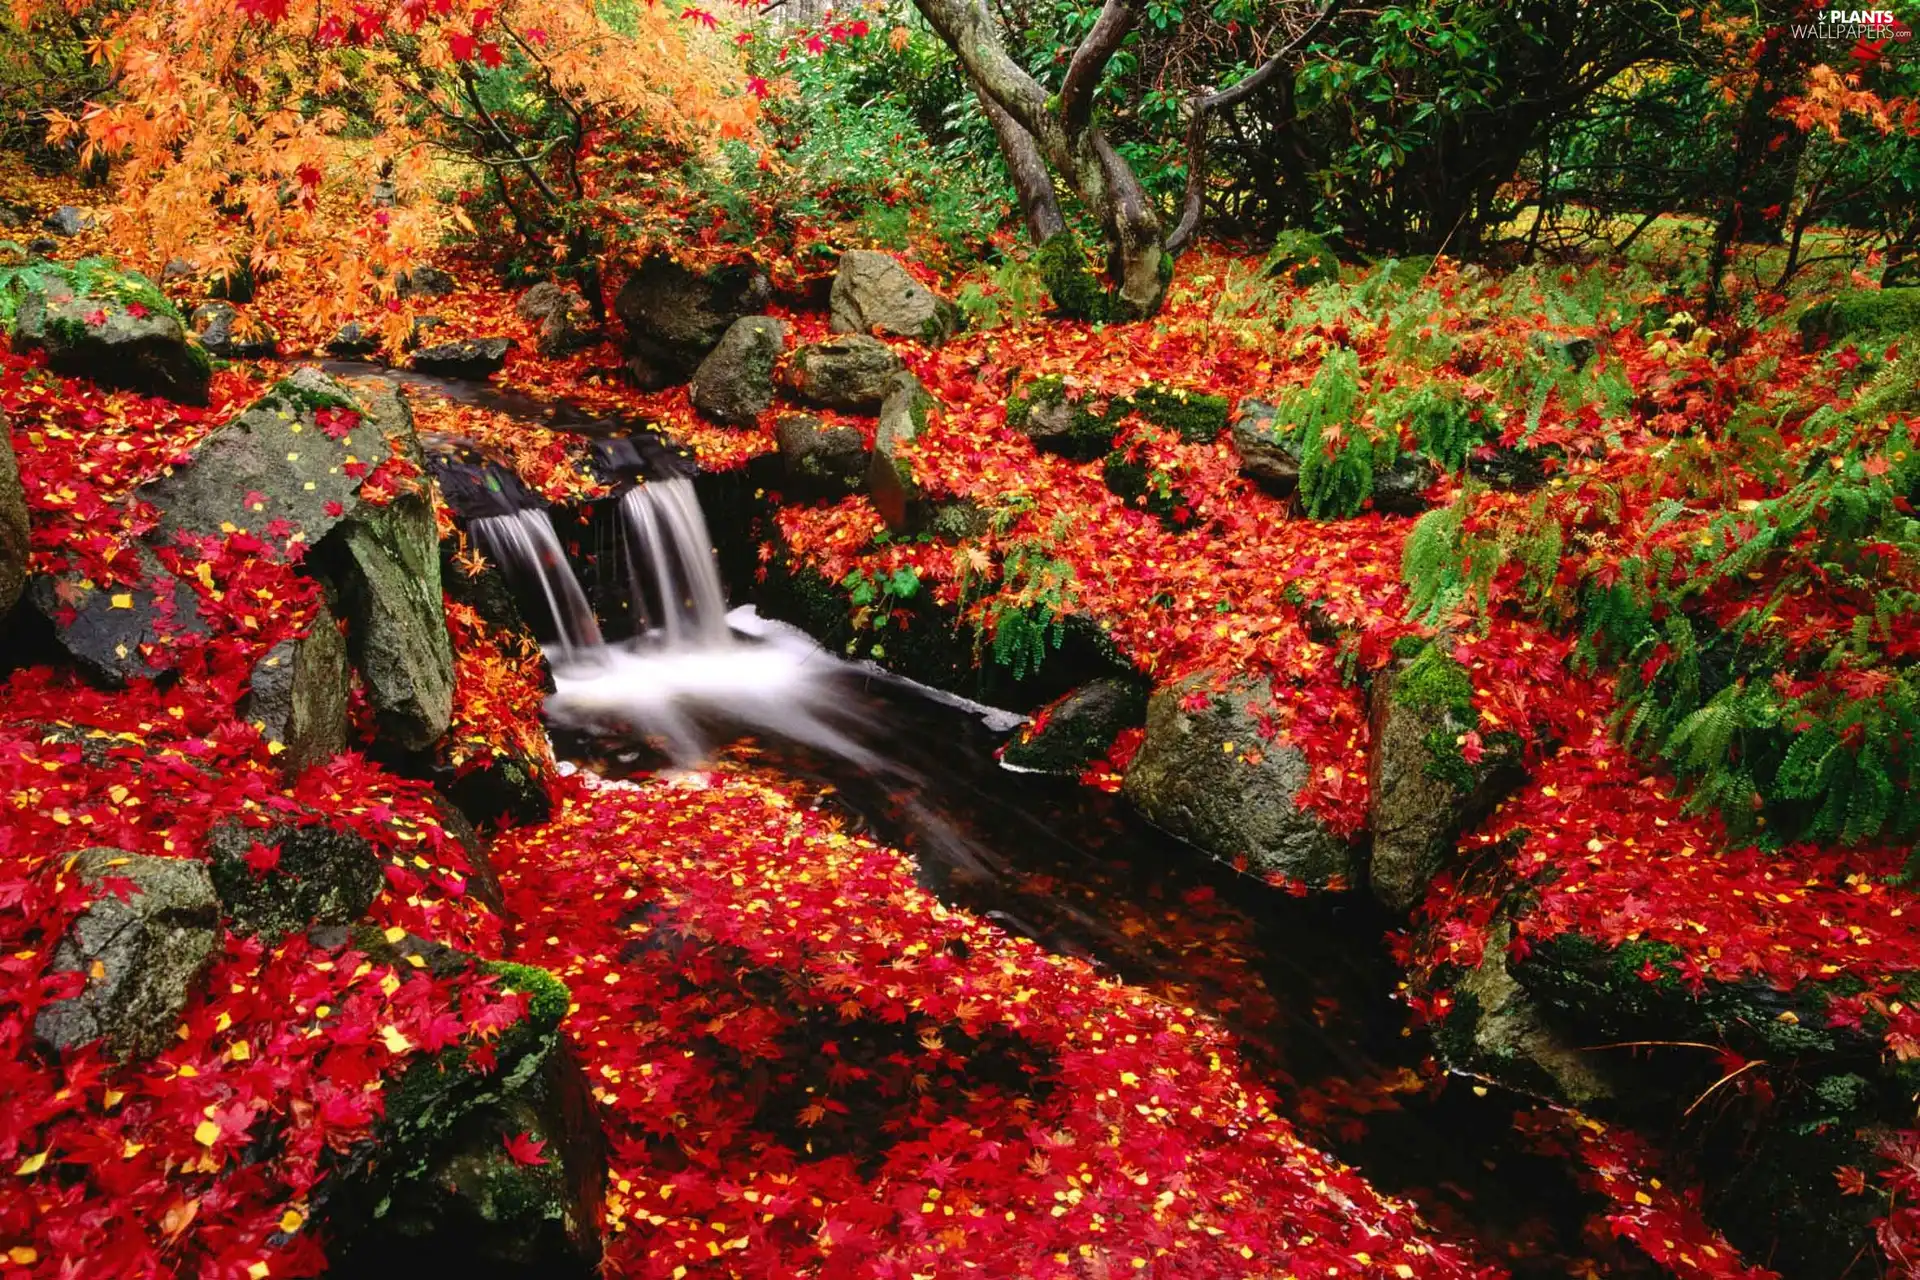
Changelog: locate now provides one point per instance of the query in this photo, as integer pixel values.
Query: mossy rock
(1068, 735)
(1056, 418)
(99, 322)
(1861, 314)
(1197, 416)
(311, 875)
(437, 1184)
(1403, 273)
(1307, 257)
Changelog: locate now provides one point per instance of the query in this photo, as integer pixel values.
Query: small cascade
(674, 581)
(528, 551)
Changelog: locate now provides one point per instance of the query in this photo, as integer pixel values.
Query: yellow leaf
(395, 1042)
(123, 600)
(206, 1133)
(31, 1164)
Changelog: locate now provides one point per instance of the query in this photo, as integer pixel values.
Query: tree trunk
(1756, 186)
(1032, 184)
(1063, 135)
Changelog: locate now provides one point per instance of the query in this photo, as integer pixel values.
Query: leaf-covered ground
(985, 1108)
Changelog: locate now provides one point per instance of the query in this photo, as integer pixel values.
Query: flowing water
(1305, 983)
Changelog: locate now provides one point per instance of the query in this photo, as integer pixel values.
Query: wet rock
(43, 245)
(299, 696)
(177, 270)
(820, 461)
(1198, 417)
(1502, 467)
(904, 413)
(141, 945)
(507, 790)
(67, 220)
(1209, 777)
(15, 527)
(276, 461)
(385, 564)
(560, 316)
(235, 284)
(848, 373)
(424, 282)
(873, 293)
(273, 881)
(1067, 736)
(1265, 456)
(12, 216)
(118, 331)
(120, 631)
(1401, 489)
(475, 358)
(734, 384)
(674, 315)
(483, 882)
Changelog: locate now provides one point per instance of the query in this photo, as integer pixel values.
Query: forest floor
(1041, 1119)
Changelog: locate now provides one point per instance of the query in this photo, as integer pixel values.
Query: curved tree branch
(1039, 203)
(1090, 62)
(1202, 107)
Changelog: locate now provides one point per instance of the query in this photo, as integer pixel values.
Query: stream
(1306, 984)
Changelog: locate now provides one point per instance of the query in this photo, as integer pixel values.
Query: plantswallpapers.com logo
(1850, 25)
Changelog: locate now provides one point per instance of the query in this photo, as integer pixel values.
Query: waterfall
(671, 574)
(528, 551)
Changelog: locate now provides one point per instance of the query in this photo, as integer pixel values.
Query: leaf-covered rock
(1306, 257)
(734, 384)
(850, 373)
(1205, 773)
(873, 293)
(138, 948)
(1066, 736)
(560, 316)
(1265, 455)
(273, 881)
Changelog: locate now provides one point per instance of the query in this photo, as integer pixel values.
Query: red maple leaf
(523, 1148)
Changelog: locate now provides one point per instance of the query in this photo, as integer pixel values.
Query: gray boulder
(475, 358)
(903, 416)
(141, 944)
(67, 221)
(734, 384)
(299, 696)
(385, 566)
(1237, 801)
(278, 453)
(560, 316)
(128, 336)
(15, 528)
(1509, 1039)
(353, 340)
(674, 315)
(873, 293)
(820, 461)
(119, 632)
(1067, 736)
(849, 373)
(273, 881)
(1265, 457)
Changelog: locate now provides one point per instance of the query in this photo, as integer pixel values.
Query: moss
(1434, 684)
(1075, 290)
(309, 397)
(1862, 313)
(1308, 257)
(1197, 416)
(547, 996)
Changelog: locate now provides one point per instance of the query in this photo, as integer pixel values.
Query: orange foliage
(238, 130)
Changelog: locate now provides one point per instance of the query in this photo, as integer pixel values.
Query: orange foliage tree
(252, 132)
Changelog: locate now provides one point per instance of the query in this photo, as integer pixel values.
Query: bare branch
(1090, 62)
